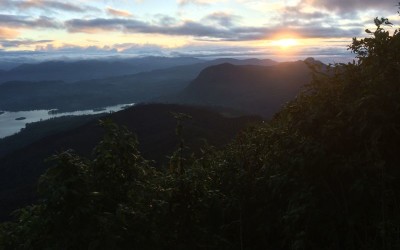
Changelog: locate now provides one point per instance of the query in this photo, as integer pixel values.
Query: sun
(285, 43)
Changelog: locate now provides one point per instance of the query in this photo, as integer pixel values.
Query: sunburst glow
(285, 43)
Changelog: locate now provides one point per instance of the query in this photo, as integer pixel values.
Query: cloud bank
(344, 6)
(46, 5)
(94, 26)
(225, 31)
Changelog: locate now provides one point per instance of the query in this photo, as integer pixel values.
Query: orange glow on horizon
(285, 43)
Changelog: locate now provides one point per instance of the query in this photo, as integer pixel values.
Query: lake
(13, 122)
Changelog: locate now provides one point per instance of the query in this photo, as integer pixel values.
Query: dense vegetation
(323, 174)
(154, 126)
(37, 130)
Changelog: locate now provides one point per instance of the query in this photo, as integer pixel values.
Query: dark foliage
(153, 124)
(38, 130)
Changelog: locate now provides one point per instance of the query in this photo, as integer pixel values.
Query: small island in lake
(20, 118)
(53, 112)
(98, 109)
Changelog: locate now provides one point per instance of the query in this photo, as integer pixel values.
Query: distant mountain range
(70, 71)
(154, 125)
(88, 94)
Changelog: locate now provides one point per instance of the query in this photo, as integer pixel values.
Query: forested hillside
(323, 174)
(254, 89)
(154, 126)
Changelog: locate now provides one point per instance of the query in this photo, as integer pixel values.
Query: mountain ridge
(89, 94)
(255, 89)
(70, 71)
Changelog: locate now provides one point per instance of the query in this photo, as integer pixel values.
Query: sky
(201, 28)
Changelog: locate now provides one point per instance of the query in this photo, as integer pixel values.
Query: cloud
(75, 49)
(222, 18)
(329, 54)
(298, 16)
(118, 13)
(133, 47)
(311, 31)
(352, 5)
(104, 24)
(296, 12)
(208, 32)
(107, 49)
(15, 21)
(46, 52)
(165, 20)
(45, 5)
(6, 33)
(41, 4)
(197, 2)
(18, 43)
(186, 28)
(123, 49)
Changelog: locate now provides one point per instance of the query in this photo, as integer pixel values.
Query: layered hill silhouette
(155, 128)
(88, 94)
(255, 89)
(70, 71)
(251, 86)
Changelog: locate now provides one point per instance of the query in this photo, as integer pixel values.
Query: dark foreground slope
(261, 90)
(38, 130)
(154, 125)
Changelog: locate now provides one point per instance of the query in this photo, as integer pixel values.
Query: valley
(244, 91)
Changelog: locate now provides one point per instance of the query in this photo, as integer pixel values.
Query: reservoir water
(13, 122)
